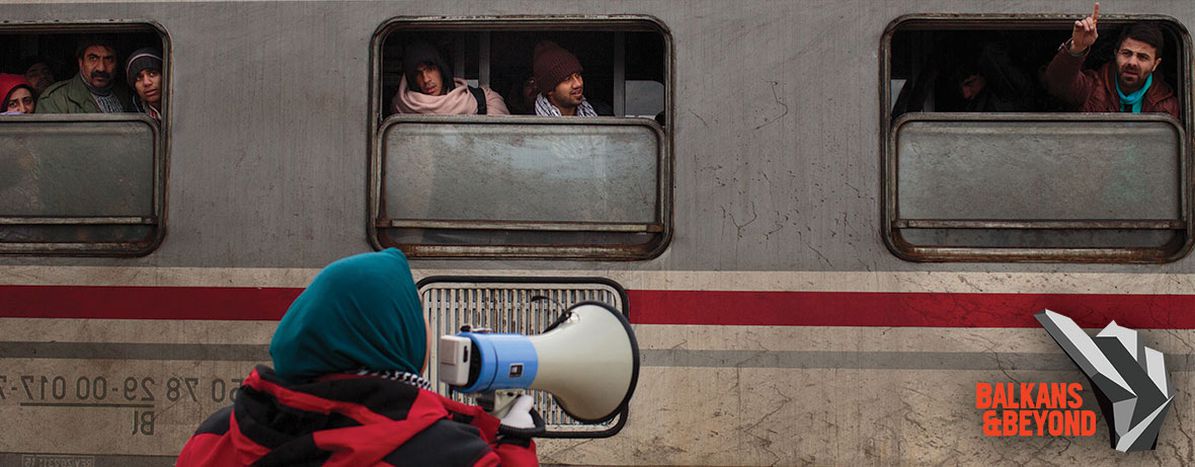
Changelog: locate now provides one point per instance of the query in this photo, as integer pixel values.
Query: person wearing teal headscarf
(346, 388)
(359, 313)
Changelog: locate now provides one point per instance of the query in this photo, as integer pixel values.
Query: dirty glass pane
(76, 169)
(79, 180)
(1038, 170)
(1089, 171)
(539, 171)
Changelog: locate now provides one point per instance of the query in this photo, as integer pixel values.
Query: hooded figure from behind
(428, 87)
(345, 388)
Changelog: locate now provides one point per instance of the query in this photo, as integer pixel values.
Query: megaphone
(588, 360)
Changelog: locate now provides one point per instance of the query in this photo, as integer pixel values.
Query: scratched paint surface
(775, 128)
(743, 410)
(110, 406)
(728, 395)
(770, 172)
(128, 387)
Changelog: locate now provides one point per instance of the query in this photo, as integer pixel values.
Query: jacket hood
(340, 419)
(418, 53)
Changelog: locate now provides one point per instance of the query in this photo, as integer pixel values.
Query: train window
(1015, 174)
(83, 175)
(451, 183)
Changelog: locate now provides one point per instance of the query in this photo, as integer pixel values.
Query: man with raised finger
(1126, 84)
(95, 89)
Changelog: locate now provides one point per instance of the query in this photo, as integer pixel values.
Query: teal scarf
(1135, 99)
(361, 312)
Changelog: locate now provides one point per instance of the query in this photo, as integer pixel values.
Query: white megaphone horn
(588, 360)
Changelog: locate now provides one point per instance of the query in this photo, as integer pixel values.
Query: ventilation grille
(514, 307)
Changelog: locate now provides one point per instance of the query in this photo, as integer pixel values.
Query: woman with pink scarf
(428, 87)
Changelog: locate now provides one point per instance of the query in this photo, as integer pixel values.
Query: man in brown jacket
(1127, 84)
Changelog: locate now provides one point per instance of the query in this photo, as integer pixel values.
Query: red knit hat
(551, 65)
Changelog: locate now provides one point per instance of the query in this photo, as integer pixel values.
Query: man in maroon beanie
(558, 78)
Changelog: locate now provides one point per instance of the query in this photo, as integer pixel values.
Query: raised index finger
(1095, 15)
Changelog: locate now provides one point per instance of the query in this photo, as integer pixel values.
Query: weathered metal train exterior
(778, 322)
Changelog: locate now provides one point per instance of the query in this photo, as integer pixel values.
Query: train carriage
(819, 266)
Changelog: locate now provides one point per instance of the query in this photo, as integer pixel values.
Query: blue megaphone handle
(507, 361)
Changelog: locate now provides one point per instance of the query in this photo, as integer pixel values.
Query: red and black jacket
(347, 420)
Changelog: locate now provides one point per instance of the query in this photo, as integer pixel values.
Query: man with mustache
(1126, 84)
(95, 89)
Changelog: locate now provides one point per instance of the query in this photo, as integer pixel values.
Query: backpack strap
(479, 95)
(472, 415)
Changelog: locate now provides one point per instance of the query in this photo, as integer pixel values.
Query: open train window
(511, 183)
(1018, 175)
(84, 173)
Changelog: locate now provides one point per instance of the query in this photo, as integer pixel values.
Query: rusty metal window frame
(377, 223)
(161, 145)
(658, 227)
(893, 223)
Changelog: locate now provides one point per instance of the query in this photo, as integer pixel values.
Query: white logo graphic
(1129, 378)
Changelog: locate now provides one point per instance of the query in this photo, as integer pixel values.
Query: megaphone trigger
(508, 403)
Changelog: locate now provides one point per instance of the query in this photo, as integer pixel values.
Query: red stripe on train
(198, 303)
(906, 309)
(648, 307)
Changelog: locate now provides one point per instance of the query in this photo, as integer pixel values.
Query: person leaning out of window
(428, 87)
(17, 93)
(1126, 84)
(144, 74)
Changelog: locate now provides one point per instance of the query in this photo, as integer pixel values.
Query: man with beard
(1127, 84)
(561, 88)
(94, 90)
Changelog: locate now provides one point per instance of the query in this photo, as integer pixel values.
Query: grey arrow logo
(1129, 378)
